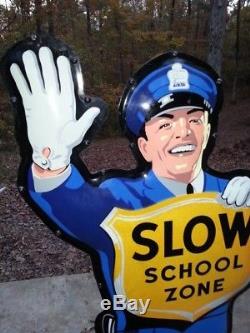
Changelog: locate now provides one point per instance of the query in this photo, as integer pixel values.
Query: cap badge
(178, 77)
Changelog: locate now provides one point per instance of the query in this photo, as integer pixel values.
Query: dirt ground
(28, 249)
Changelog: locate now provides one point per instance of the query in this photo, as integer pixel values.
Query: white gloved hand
(50, 108)
(237, 192)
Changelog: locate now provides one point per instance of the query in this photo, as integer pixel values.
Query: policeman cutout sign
(171, 235)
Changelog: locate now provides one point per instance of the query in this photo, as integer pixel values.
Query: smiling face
(175, 143)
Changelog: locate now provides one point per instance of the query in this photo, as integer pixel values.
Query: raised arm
(46, 86)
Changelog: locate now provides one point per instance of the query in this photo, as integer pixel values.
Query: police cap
(167, 82)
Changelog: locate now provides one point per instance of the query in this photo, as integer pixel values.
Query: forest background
(113, 38)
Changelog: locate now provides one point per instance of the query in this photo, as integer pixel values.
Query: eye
(166, 125)
(195, 121)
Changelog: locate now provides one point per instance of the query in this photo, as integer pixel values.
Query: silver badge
(178, 77)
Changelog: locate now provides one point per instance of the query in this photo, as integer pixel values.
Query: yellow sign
(187, 255)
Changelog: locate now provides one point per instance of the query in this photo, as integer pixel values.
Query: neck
(185, 177)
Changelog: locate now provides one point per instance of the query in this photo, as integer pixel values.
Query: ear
(206, 135)
(143, 147)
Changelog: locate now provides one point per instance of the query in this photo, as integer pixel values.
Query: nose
(182, 128)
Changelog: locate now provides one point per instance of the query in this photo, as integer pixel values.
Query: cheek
(157, 141)
(164, 138)
(199, 133)
(164, 141)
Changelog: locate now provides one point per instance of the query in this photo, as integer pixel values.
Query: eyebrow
(194, 110)
(167, 115)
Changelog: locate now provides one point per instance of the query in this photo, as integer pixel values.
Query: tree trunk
(38, 14)
(51, 10)
(197, 25)
(189, 26)
(120, 48)
(216, 33)
(171, 18)
(25, 10)
(72, 5)
(237, 54)
(189, 8)
(150, 11)
(160, 12)
(87, 5)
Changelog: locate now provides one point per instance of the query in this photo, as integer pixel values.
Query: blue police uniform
(78, 208)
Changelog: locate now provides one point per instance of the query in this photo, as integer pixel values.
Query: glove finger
(86, 120)
(229, 186)
(243, 194)
(234, 190)
(20, 81)
(33, 72)
(248, 201)
(66, 80)
(49, 71)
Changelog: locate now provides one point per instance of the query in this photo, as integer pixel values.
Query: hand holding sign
(238, 192)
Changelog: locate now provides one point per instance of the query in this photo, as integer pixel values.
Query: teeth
(182, 149)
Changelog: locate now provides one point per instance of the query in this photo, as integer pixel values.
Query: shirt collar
(179, 188)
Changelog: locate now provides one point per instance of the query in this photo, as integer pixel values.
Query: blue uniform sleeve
(222, 183)
(214, 183)
(77, 207)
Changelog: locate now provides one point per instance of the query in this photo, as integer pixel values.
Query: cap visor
(186, 107)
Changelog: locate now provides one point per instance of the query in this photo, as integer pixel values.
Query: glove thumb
(73, 133)
(85, 122)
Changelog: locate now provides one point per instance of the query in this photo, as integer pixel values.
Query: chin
(182, 171)
(183, 164)
(183, 167)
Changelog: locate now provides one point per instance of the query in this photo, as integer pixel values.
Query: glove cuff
(53, 162)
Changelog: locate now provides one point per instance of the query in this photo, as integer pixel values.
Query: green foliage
(114, 38)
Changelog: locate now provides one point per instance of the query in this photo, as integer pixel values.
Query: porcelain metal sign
(187, 255)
